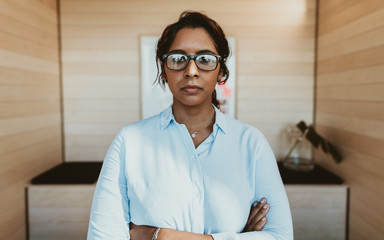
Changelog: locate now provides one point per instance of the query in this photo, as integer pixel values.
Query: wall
(350, 104)
(30, 121)
(101, 71)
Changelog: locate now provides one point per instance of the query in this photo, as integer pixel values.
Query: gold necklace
(193, 135)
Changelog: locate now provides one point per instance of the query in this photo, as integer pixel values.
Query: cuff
(225, 236)
(260, 235)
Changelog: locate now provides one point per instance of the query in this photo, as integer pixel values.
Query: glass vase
(299, 156)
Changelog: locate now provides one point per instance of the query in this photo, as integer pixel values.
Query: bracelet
(155, 234)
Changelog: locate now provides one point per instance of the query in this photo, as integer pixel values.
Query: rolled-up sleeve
(109, 218)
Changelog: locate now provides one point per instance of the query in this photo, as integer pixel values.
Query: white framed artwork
(155, 98)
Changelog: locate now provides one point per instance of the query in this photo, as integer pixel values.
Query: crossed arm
(110, 216)
(256, 221)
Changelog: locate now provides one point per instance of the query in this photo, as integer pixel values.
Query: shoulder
(245, 134)
(238, 127)
(142, 127)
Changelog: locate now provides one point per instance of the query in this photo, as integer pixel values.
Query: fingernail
(265, 206)
(263, 201)
(254, 204)
(263, 219)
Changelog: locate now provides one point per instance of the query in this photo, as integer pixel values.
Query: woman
(190, 172)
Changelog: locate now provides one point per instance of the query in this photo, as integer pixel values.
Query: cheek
(214, 76)
(167, 74)
(172, 77)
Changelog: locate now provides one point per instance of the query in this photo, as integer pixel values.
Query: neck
(193, 117)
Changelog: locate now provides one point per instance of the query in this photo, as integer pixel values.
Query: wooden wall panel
(101, 70)
(350, 104)
(30, 112)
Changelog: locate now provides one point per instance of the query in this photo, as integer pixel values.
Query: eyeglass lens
(180, 61)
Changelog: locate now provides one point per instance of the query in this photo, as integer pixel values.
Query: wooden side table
(59, 201)
(319, 203)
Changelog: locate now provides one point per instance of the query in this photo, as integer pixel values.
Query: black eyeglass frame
(189, 57)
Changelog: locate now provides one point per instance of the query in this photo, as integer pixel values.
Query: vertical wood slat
(30, 112)
(350, 104)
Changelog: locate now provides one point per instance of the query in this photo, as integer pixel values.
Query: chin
(192, 100)
(195, 103)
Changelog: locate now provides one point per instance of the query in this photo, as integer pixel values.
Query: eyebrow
(198, 52)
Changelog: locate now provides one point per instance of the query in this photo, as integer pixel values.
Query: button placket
(198, 182)
(196, 177)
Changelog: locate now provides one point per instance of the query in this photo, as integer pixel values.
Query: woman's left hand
(257, 216)
(141, 232)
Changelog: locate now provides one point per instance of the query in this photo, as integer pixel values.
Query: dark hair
(189, 19)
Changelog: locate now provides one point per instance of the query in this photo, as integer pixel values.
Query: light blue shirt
(153, 175)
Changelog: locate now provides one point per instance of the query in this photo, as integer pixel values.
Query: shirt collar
(166, 117)
(221, 120)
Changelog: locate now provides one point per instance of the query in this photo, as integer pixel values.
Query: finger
(261, 213)
(249, 216)
(260, 224)
(256, 207)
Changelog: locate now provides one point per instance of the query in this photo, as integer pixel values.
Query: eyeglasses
(179, 61)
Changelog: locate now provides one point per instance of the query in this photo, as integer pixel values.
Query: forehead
(192, 40)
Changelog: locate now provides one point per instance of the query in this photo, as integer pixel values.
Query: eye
(206, 59)
(179, 58)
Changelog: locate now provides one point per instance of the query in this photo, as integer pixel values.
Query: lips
(191, 89)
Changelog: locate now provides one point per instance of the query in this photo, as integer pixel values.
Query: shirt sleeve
(109, 218)
(268, 184)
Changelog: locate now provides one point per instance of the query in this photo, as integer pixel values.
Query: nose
(191, 71)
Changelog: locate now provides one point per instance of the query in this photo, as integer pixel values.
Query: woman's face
(192, 86)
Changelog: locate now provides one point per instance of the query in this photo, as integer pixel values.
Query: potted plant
(317, 141)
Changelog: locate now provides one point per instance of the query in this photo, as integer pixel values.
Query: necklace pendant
(193, 135)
